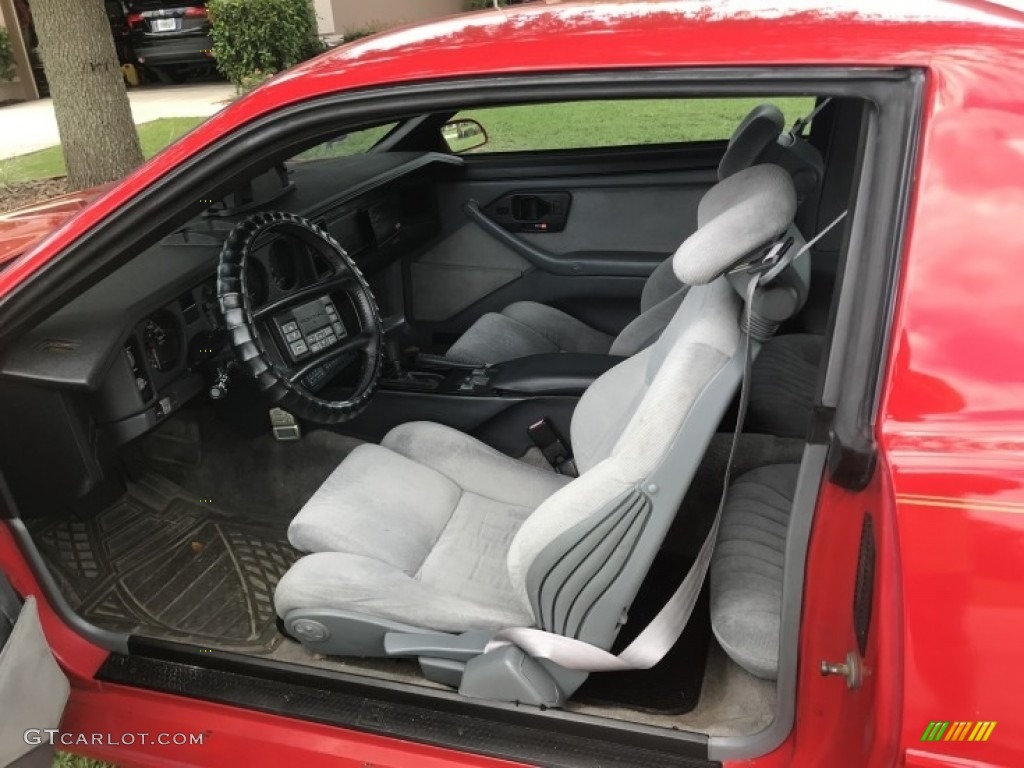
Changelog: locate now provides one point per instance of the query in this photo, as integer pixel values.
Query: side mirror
(463, 135)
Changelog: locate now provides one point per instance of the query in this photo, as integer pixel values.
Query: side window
(621, 123)
(346, 144)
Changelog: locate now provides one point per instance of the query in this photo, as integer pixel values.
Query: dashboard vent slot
(189, 309)
(58, 345)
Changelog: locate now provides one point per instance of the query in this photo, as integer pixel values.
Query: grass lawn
(611, 123)
(50, 162)
(541, 126)
(65, 760)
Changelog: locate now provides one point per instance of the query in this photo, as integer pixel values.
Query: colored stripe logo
(958, 731)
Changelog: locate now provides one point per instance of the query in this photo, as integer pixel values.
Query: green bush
(6, 57)
(252, 80)
(357, 33)
(253, 39)
(475, 5)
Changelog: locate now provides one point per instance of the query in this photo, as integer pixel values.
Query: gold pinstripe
(951, 502)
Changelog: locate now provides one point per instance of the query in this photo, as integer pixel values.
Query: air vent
(189, 309)
(58, 345)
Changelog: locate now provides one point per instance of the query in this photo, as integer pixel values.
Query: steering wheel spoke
(343, 283)
(291, 386)
(356, 343)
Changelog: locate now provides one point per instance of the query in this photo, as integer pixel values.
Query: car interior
(454, 404)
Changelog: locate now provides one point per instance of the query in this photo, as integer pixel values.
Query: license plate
(165, 25)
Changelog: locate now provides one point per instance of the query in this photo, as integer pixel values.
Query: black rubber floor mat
(165, 566)
(672, 686)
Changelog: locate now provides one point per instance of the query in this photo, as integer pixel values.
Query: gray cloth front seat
(530, 328)
(747, 567)
(433, 533)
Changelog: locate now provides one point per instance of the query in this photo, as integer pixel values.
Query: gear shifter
(393, 355)
(393, 327)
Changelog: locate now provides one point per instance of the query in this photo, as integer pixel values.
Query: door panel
(33, 690)
(461, 269)
(625, 219)
(628, 210)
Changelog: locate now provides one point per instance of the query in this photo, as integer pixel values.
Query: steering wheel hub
(297, 342)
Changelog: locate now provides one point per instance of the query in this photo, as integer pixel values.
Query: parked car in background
(117, 15)
(170, 39)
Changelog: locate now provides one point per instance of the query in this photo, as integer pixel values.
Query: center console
(497, 403)
(554, 374)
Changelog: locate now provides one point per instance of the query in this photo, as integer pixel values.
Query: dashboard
(149, 337)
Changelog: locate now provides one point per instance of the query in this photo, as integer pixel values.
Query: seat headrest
(760, 138)
(759, 130)
(736, 217)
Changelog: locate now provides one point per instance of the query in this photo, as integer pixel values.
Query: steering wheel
(301, 339)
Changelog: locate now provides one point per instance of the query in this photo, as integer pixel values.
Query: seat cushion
(747, 567)
(472, 465)
(361, 584)
(417, 530)
(358, 509)
(782, 387)
(526, 328)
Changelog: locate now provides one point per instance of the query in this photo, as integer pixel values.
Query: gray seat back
(755, 140)
(641, 429)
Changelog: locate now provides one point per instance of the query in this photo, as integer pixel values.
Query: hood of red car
(22, 228)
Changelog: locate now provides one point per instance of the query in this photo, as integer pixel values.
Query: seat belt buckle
(558, 455)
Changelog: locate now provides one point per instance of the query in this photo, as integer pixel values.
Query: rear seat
(747, 567)
(782, 385)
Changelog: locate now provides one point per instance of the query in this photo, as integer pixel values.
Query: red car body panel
(948, 492)
(24, 228)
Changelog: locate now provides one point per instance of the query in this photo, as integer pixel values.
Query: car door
(33, 689)
(572, 205)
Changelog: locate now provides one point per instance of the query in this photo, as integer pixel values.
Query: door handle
(531, 211)
(529, 208)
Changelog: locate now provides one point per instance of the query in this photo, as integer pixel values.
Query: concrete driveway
(31, 125)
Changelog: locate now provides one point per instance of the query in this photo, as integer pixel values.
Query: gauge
(255, 283)
(283, 259)
(161, 341)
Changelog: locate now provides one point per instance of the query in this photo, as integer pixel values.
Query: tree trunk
(94, 118)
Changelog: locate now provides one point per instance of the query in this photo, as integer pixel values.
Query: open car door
(33, 689)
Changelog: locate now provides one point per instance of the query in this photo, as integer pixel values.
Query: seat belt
(658, 637)
(557, 454)
(789, 138)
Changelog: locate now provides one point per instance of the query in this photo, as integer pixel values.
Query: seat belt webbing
(658, 637)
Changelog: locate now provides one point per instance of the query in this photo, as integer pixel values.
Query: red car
(611, 384)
